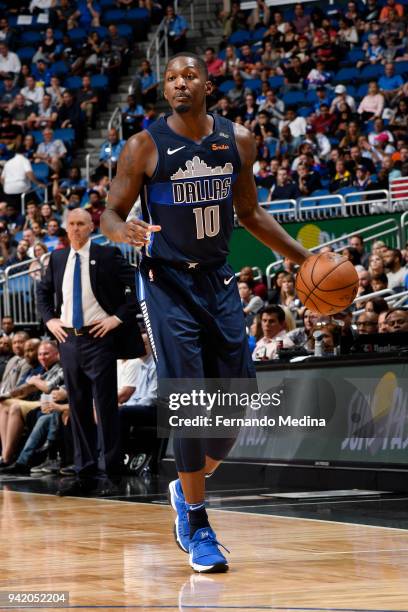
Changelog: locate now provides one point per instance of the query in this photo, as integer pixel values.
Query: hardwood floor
(111, 553)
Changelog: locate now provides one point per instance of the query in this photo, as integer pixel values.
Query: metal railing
(374, 202)
(283, 210)
(404, 226)
(389, 228)
(321, 207)
(399, 194)
(394, 300)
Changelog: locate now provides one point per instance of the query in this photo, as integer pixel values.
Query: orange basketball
(327, 283)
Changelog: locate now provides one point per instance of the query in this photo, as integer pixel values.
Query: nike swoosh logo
(172, 151)
(228, 280)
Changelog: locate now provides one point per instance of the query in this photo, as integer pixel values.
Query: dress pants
(90, 377)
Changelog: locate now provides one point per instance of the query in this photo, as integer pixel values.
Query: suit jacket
(113, 285)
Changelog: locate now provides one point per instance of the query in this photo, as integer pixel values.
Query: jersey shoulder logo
(219, 147)
(197, 168)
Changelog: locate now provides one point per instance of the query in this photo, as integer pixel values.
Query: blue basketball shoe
(181, 524)
(205, 556)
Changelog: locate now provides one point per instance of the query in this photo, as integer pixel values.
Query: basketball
(327, 283)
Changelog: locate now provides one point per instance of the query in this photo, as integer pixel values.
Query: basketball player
(190, 168)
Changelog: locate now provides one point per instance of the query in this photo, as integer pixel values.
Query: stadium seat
(362, 90)
(226, 86)
(346, 75)
(99, 81)
(253, 84)
(371, 72)
(258, 34)
(30, 37)
(272, 146)
(107, 4)
(276, 82)
(115, 16)
(41, 171)
(73, 82)
(77, 35)
(67, 135)
(263, 194)
(239, 38)
(125, 30)
(401, 68)
(354, 56)
(26, 54)
(305, 111)
(60, 68)
(294, 97)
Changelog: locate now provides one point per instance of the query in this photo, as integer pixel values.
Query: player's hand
(137, 232)
(101, 328)
(56, 328)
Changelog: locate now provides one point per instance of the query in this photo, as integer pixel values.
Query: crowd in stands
(276, 318)
(35, 431)
(324, 90)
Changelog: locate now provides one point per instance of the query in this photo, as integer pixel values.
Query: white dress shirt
(92, 311)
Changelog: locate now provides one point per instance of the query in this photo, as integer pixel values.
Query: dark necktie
(77, 314)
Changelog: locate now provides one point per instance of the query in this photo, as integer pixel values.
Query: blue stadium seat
(26, 54)
(41, 171)
(253, 84)
(355, 55)
(401, 68)
(263, 194)
(346, 75)
(67, 135)
(115, 16)
(362, 90)
(106, 4)
(125, 30)
(276, 82)
(60, 68)
(272, 146)
(239, 38)
(258, 34)
(77, 35)
(372, 72)
(73, 82)
(294, 97)
(305, 111)
(226, 86)
(102, 31)
(99, 81)
(30, 37)
(136, 15)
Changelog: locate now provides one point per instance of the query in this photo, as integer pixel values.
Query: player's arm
(254, 218)
(137, 158)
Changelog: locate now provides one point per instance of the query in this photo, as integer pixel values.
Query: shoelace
(213, 539)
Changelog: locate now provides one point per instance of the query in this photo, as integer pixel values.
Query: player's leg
(175, 335)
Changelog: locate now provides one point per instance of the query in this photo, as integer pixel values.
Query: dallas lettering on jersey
(208, 184)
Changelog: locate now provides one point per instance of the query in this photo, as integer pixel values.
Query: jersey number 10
(207, 221)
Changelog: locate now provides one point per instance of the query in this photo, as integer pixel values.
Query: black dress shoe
(17, 469)
(105, 488)
(75, 487)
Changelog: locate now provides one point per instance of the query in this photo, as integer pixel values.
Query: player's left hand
(101, 328)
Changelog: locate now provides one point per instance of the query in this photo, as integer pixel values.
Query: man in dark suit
(87, 302)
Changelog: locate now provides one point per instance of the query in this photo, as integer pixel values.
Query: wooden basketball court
(115, 554)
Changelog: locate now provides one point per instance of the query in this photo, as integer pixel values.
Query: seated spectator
(70, 115)
(19, 257)
(274, 107)
(396, 320)
(258, 288)
(74, 181)
(47, 213)
(7, 329)
(274, 334)
(306, 179)
(379, 282)
(9, 62)
(95, 207)
(118, 43)
(374, 51)
(13, 218)
(32, 92)
(301, 336)
(376, 305)
(391, 5)
(372, 105)
(44, 436)
(137, 387)
(342, 177)
(285, 188)
(324, 121)
(29, 238)
(296, 124)
(38, 267)
(132, 116)
(10, 90)
(251, 304)
(41, 73)
(399, 120)
(396, 271)
(287, 295)
(382, 323)
(329, 335)
(145, 82)
(10, 134)
(22, 112)
(357, 242)
(109, 152)
(367, 323)
(51, 238)
(46, 114)
(375, 265)
(342, 97)
(88, 100)
(16, 367)
(51, 151)
(5, 353)
(109, 62)
(364, 281)
(236, 95)
(352, 255)
(55, 91)
(29, 148)
(214, 63)
(17, 408)
(390, 83)
(88, 14)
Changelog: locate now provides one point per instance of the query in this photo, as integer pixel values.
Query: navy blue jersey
(190, 194)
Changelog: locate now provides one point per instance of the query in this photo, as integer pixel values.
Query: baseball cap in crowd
(340, 89)
(382, 137)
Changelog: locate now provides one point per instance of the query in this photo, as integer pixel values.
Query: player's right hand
(56, 328)
(137, 232)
